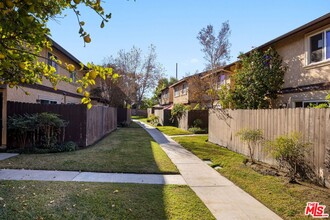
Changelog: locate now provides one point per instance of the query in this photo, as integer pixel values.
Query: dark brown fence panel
(123, 115)
(74, 114)
(188, 118)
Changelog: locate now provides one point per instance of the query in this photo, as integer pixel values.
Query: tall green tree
(258, 79)
(24, 34)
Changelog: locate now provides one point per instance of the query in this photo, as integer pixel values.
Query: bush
(65, 147)
(178, 111)
(289, 151)
(153, 119)
(251, 137)
(43, 130)
(198, 122)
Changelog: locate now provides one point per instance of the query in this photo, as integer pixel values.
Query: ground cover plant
(287, 200)
(127, 150)
(74, 200)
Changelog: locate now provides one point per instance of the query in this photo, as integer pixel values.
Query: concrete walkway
(47, 175)
(223, 198)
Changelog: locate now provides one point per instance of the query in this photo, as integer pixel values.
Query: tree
(140, 74)
(251, 137)
(258, 79)
(200, 91)
(24, 33)
(216, 49)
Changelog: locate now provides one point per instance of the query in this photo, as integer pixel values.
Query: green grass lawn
(127, 150)
(74, 200)
(287, 200)
(170, 130)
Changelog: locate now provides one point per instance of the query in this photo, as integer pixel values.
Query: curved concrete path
(223, 198)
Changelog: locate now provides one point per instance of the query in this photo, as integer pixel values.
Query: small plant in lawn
(251, 137)
(290, 151)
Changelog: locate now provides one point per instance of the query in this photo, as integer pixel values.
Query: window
(44, 101)
(309, 104)
(73, 76)
(176, 91)
(222, 80)
(184, 89)
(319, 47)
(165, 94)
(51, 62)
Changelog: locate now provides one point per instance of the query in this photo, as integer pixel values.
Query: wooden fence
(140, 112)
(85, 126)
(188, 118)
(123, 115)
(314, 124)
(164, 116)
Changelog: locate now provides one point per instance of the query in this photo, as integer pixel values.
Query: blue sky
(172, 26)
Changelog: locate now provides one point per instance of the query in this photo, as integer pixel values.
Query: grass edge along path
(287, 200)
(126, 150)
(72, 200)
(168, 130)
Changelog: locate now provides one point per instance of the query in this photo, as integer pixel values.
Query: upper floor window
(176, 91)
(73, 76)
(319, 47)
(222, 80)
(184, 89)
(51, 61)
(165, 95)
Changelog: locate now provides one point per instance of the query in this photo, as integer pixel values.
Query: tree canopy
(24, 34)
(258, 79)
(139, 73)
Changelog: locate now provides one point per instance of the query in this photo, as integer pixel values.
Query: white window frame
(308, 43)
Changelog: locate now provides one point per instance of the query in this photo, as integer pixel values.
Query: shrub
(178, 111)
(198, 122)
(251, 137)
(289, 151)
(40, 129)
(67, 147)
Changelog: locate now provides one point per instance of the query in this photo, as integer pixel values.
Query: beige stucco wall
(69, 87)
(18, 95)
(294, 51)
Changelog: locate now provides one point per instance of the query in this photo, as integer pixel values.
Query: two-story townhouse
(192, 90)
(45, 93)
(306, 51)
